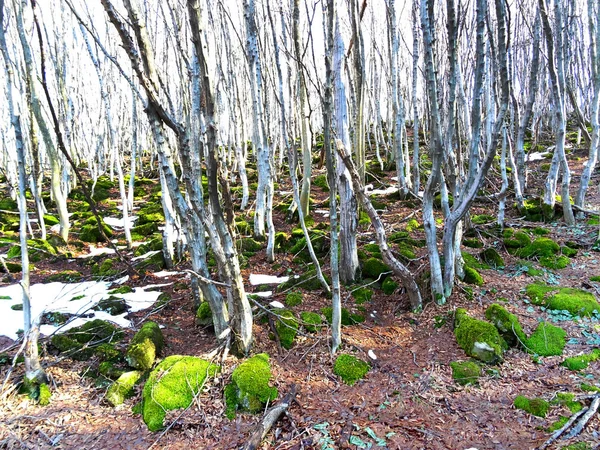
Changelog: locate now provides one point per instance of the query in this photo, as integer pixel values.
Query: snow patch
(96, 251)
(117, 222)
(266, 279)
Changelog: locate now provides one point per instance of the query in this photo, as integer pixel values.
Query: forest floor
(408, 400)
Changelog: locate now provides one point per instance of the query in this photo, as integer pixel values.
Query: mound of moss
(472, 276)
(547, 340)
(389, 286)
(362, 295)
(311, 321)
(516, 240)
(576, 301)
(308, 281)
(204, 315)
(536, 406)
(44, 395)
(465, 372)
(539, 248)
(491, 257)
(479, 339)
(472, 261)
(83, 341)
(346, 319)
(287, 328)
(350, 369)
(249, 389)
(581, 362)
(112, 305)
(173, 384)
(555, 262)
(293, 298)
(145, 346)
(123, 387)
(374, 268)
(507, 324)
(89, 231)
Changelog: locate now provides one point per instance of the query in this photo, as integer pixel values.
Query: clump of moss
(123, 387)
(293, 298)
(311, 321)
(44, 395)
(374, 268)
(172, 385)
(536, 406)
(112, 305)
(81, 342)
(465, 372)
(589, 388)
(249, 245)
(472, 276)
(479, 339)
(492, 257)
(540, 231)
(362, 295)
(145, 346)
(473, 262)
(249, 389)
(554, 262)
(581, 445)
(547, 340)
(121, 290)
(389, 286)
(568, 251)
(89, 231)
(308, 281)
(567, 399)
(204, 314)
(65, 276)
(108, 369)
(412, 225)
(350, 369)
(473, 243)
(481, 219)
(595, 278)
(507, 324)
(287, 328)
(346, 319)
(576, 301)
(321, 181)
(581, 362)
(539, 248)
(105, 268)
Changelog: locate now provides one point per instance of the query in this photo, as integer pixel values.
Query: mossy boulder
(516, 240)
(109, 370)
(491, 257)
(89, 232)
(318, 239)
(173, 384)
(249, 245)
(576, 301)
(547, 340)
(145, 346)
(65, 276)
(105, 268)
(472, 243)
(122, 388)
(581, 362)
(555, 262)
(308, 281)
(541, 247)
(350, 369)
(374, 268)
(482, 219)
(507, 324)
(479, 339)
(472, 261)
(249, 389)
(472, 276)
(89, 335)
(204, 315)
(112, 305)
(287, 328)
(311, 321)
(535, 406)
(321, 181)
(465, 372)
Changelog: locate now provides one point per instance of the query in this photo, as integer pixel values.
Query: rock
(145, 346)
(123, 387)
(507, 324)
(479, 339)
(547, 340)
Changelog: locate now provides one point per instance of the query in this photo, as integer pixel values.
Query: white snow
(117, 222)
(166, 274)
(266, 279)
(372, 355)
(96, 251)
(276, 304)
(62, 297)
(263, 294)
(386, 191)
(146, 255)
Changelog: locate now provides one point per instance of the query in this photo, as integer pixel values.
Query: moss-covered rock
(321, 181)
(287, 328)
(308, 281)
(362, 295)
(204, 315)
(249, 245)
(172, 385)
(555, 262)
(346, 319)
(472, 276)
(576, 301)
(539, 248)
(492, 257)
(109, 370)
(105, 268)
(350, 369)
(123, 387)
(472, 243)
(121, 290)
(293, 298)
(90, 233)
(249, 389)
(389, 286)
(479, 339)
(311, 321)
(81, 342)
(536, 406)
(145, 346)
(516, 240)
(481, 219)
(112, 305)
(465, 372)
(581, 362)
(44, 395)
(472, 261)
(65, 276)
(547, 340)
(507, 324)
(374, 268)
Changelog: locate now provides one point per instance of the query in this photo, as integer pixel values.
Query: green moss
(44, 395)
(108, 369)
(537, 292)
(204, 314)
(346, 319)
(311, 321)
(558, 424)
(581, 362)
(66, 276)
(321, 181)
(389, 286)
(287, 328)
(479, 339)
(145, 346)
(568, 251)
(589, 388)
(108, 352)
(536, 406)
(172, 385)
(472, 276)
(374, 268)
(362, 295)
(123, 387)
(507, 324)
(576, 301)
(540, 231)
(113, 306)
(473, 262)
(539, 248)
(465, 372)
(90, 233)
(105, 269)
(350, 369)
(547, 340)
(567, 399)
(581, 445)
(412, 225)
(249, 245)
(473, 243)
(519, 239)
(17, 307)
(121, 290)
(492, 257)
(249, 389)
(482, 219)
(293, 299)
(529, 268)
(595, 278)
(554, 262)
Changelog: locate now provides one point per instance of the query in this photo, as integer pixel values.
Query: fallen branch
(270, 417)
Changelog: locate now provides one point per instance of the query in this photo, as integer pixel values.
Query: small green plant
(350, 369)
